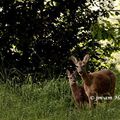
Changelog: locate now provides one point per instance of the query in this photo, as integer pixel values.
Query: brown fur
(98, 83)
(78, 92)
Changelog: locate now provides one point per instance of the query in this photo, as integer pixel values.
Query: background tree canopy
(40, 35)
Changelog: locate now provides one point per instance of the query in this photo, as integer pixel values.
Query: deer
(98, 83)
(78, 92)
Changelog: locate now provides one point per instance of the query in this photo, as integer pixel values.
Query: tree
(40, 35)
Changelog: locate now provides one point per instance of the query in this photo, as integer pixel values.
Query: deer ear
(74, 59)
(86, 58)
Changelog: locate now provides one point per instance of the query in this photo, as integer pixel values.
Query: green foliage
(37, 36)
(50, 101)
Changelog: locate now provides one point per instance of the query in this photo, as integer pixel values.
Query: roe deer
(99, 83)
(78, 92)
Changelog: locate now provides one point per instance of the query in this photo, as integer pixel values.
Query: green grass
(51, 101)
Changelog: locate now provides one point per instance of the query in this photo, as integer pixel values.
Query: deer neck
(74, 87)
(86, 78)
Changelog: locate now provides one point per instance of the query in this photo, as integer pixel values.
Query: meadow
(51, 100)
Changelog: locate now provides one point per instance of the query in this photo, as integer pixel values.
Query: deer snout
(80, 71)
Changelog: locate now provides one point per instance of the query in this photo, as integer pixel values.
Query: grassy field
(51, 101)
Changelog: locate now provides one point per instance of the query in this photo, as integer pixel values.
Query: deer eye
(76, 66)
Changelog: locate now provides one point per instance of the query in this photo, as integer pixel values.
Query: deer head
(80, 65)
(71, 76)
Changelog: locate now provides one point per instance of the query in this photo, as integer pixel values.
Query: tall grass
(51, 100)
